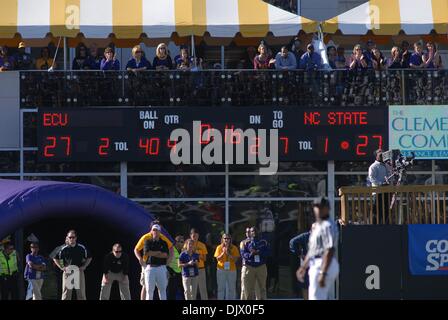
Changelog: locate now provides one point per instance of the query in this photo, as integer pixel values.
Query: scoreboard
(144, 133)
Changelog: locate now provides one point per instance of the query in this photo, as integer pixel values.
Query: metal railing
(409, 204)
(233, 87)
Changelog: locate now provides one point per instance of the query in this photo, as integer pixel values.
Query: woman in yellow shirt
(227, 255)
(45, 62)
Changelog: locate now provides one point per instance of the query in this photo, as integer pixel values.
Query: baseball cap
(156, 227)
(22, 45)
(321, 202)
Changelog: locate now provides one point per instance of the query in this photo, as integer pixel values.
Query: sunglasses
(71, 237)
(34, 247)
(117, 251)
(227, 238)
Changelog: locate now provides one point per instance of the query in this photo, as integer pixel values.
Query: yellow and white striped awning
(156, 18)
(388, 17)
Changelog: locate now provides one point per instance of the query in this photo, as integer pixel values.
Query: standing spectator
(254, 256)
(139, 247)
(405, 54)
(227, 255)
(45, 62)
(162, 61)
(156, 254)
(323, 266)
(188, 261)
(332, 56)
(115, 268)
(432, 58)
(285, 60)
(95, 57)
(34, 268)
(138, 62)
(109, 62)
(298, 246)
(175, 272)
(73, 255)
(257, 287)
(23, 59)
(378, 61)
(310, 60)
(341, 61)
(183, 61)
(82, 60)
(262, 60)
(6, 62)
(201, 249)
(368, 53)
(358, 61)
(416, 60)
(395, 61)
(296, 49)
(9, 273)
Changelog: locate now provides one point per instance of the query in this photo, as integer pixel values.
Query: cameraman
(378, 171)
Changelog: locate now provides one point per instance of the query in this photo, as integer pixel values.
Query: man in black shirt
(73, 259)
(116, 268)
(156, 255)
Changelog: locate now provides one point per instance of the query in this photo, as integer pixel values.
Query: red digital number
(232, 135)
(151, 146)
(49, 147)
(171, 144)
(326, 145)
(380, 141)
(68, 146)
(205, 127)
(362, 145)
(286, 143)
(254, 147)
(104, 146)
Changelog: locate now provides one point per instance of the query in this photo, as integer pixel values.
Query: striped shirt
(324, 236)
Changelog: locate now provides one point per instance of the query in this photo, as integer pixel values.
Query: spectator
(9, 273)
(34, 268)
(162, 60)
(45, 62)
(6, 62)
(188, 261)
(254, 254)
(248, 61)
(432, 58)
(298, 246)
(285, 60)
(156, 252)
(73, 255)
(378, 61)
(257, 289)
(109, 62)
(95, 58)
(183, 61)
(23, 60)
(175, 272)
(197, 64)
(115, 268)
(296, 49)
(405, 55)
(138, 62)
(82, 60)
(416, 60)
(201, 249)
(310, 60)
(227, 255)
(142, 258)
(358, 61)
(341, 61)
(368, 53)
(262, 60)
(332, 56)
(395, 61)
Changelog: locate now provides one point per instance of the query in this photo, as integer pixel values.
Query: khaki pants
(67, 293)
(252, 276)
(190, 287)
(257, 287)
(202, 284)
(37, 287)
(123, 284)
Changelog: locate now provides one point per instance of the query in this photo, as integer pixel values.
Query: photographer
(378, 172)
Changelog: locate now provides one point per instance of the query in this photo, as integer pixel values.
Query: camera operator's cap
(22, 45)
(321, 202)
(156, 227)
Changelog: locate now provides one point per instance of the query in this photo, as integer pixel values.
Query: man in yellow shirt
(142, 258)
(201, 249)
(227, 255)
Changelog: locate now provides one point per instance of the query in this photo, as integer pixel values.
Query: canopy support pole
(65, 53)
(222, 57)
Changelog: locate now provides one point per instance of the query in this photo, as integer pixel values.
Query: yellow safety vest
(8, 266)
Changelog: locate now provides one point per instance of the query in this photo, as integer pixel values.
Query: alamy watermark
(72, 278)
(207, 147)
